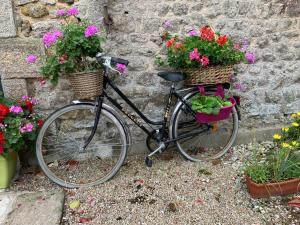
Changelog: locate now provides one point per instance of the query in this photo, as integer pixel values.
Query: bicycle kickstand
(149, 161)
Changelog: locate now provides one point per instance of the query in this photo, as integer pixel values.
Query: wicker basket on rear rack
(218, 74)
(87, 84)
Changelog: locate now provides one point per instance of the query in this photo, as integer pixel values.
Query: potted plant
(276, 172)
(18, 129)
(212, 108)
(70, 51)
(205, 55)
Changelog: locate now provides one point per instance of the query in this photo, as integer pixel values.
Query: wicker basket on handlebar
(209, 75)
(87, 84)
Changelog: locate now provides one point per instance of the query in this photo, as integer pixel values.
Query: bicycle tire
(75, 121)
(209, 141)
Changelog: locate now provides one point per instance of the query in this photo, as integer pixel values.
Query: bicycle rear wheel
(59, 146)
(210, 141)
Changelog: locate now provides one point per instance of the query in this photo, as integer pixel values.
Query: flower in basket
(19, 124)
(71, 48)
(202, 48)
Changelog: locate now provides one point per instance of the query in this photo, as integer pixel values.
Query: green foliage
(74, 49)
(11, 124)
(209, 104)
(281, 162)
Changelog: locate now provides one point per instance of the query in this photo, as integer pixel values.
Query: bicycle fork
(96, 121)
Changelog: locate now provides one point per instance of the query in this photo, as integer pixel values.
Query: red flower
(207, 33)
(178, 45)
(204, 61)
(1, 143)
(3, 111)
(170, 43)
(222, 40)
(40, 123)
(29, 105)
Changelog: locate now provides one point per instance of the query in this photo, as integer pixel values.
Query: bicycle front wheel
(210, 141)
(60, 152)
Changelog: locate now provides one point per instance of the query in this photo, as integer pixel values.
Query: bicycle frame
(142, 117)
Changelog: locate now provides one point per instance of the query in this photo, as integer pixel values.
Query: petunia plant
(202, 48)
(19, 124)
(71, 48)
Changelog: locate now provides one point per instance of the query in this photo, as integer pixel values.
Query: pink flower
(120, 67)
(194, 55)
(72, 11)
(90, 31)
(57, 34)
(49, 39)
(61, 12)
(236, 46)
(24, 97)
(31, 59)
(15, 109)
(34, 101)
(204, 61)
(2, 125)
(27, 128)
(193, 33)
(168, 24)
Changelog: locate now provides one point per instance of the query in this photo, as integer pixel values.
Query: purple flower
(31, 59)
(72, 11)
(27, 128)
(250, 57)
(34, 101)
(120, 67)
(244, 46)
(193, 33)
(49, 39)
(61, 12)
(168, 24)
(238, 86)
(90, 31)
(15, 109)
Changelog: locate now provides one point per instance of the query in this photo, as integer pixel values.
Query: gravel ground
(173, 191)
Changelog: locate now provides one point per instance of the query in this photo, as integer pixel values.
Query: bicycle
(85, 143)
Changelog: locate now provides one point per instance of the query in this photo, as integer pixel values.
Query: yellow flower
(295, 124)
(294, 115)
(298, 113)
(294, 143)
(285, 145)
(277, 136)
(285, 129)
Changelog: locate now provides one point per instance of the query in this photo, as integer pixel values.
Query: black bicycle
(85, 143)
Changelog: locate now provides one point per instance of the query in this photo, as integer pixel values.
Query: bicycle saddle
(172, 76)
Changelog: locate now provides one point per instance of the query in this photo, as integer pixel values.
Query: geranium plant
(280, 163)
(19, 124)
(202, 48)
(71, 48)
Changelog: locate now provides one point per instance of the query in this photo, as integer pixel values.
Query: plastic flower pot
(8, 167)
(224, 114)
(282, 188)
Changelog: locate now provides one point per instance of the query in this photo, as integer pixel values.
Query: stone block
(34, 10)
(14, 88)
(13, 53)
(293, 8)
(40, 28)
(7, 25)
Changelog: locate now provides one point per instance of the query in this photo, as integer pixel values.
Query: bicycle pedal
(148, 162)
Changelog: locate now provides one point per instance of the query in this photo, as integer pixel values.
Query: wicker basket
(209, 75)
(87, 84)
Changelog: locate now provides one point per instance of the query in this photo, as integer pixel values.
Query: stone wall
(270, 87)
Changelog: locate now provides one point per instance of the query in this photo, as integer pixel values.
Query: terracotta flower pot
(8, 167)
(291, 186)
